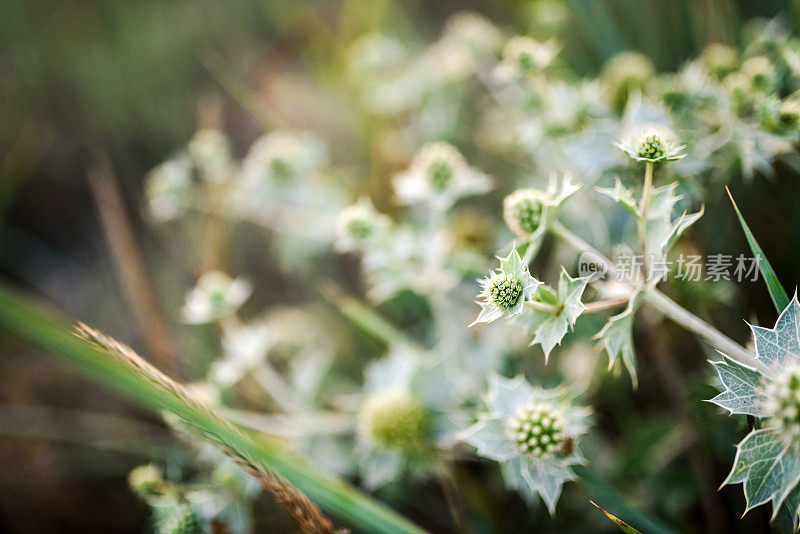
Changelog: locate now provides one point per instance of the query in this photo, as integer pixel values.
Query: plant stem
(452, 498)
(591, 307)
(648, 186)
(667, 306)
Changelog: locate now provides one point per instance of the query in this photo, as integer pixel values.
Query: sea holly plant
(767, 461)
(532, 432)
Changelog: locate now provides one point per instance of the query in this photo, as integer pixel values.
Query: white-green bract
(768, 459)
(652, 144)
(506, 290)
(496, 436)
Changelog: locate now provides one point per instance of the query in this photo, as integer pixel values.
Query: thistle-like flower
(652, 144)
(523, 55)
(359, 224)
(782, 405)
(505, 291)
(768, 459)
(439, 176)
(718, 60)
(532, 432)
(522, 211)
(215, 296)
(396, 419)
(473, 31)
(625, 74)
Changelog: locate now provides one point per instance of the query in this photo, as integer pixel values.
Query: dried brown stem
(309, 517)
(122, 242)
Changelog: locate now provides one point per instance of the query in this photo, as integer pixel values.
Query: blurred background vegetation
(132, 81)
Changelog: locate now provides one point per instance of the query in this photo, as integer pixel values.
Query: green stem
(648, 186)
(667, 306)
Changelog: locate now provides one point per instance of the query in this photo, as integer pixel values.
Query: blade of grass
(622, 525)
(603, 491)
(48, 332)
(776, 292)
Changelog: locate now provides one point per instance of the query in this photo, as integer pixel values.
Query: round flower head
(439, 175)
(652, 144)
(523, 210)
(210, 151)
(782, 404)
(532, 432)
(395, 420)
(146, 480)
(168, 188)
(625, 74)
(760, 73)
(538, 430)
(718, 60)
(505, 291)
(375, 54)
(359, 223)
(215, 296)
(525, 55)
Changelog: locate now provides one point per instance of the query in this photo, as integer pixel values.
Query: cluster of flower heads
(730, 108)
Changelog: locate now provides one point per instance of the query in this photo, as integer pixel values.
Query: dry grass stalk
(305, 512)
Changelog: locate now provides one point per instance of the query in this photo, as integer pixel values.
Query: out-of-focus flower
(506, 290)
(439, 176)
(473, 31)
(146, 480)
(522, 211)
(532, 433)
(375, 54)
(244, 348)
(210, 152)
(395, 419)
(624, 74)
(181, 519)
(524, 55)
(719, 60)
(168, 188)
(282, 157)
(652, 144)
(760, 73)
(215, 296)
(358, 225)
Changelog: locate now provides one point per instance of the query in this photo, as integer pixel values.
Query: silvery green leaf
(789, 514)
(506, 395)
(662, 201)
(550, 328)
(570, 291)
(684, 222)
(617, 336)
(490, 437)
(381, 466)
(543, 478)
(620, 194)
(779, 346)
(768, 469)
(742, 393)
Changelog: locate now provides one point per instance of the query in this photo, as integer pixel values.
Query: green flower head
(522, 211)
(538, 429)
(396, 420)
(652, 144)
(782, 404)
(506, 290)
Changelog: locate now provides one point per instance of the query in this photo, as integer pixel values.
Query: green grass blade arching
(328, 491)
(776, 292)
